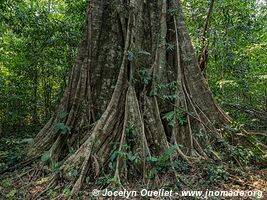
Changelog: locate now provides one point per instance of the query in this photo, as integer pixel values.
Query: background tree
(38, 43)
(236, 33)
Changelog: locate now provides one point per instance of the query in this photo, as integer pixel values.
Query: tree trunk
(124, 53)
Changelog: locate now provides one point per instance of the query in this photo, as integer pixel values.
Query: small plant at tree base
(163, 164)
(144, 75)
(175, 116)
(67, 191)
(56, 168)
(159, 90)
(104, 180)
(52, 194)
(61, 128)
(215, 173)
(245, 155)
(11, 194)
(6, 183)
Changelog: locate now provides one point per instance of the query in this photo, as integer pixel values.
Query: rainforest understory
(138, 112)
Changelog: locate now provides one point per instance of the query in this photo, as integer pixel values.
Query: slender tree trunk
(203, 55)
(35, 96)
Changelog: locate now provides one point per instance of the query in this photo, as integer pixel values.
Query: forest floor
(29, 182)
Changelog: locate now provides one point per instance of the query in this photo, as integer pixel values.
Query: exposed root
(52, 184)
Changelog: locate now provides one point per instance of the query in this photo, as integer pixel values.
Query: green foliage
(170, 47)
(130, 131)
(215, 173)
(247, 156)
(67, 192)
(11, 151)
(52, 193)
(11, 194)
(131, 56)
(173, 11)
(163, 164)
(61, 128)
(165, 91)
(74, 173)
(63, 115)
(173, 117)
(38, 43)
(125, 153)
(6, 183)
(55, 168)
(109, 180)
(46, 156)
(144, 75)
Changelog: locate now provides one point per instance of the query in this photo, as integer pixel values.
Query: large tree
(135, 64)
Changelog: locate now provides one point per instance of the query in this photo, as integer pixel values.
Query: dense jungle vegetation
(39, 44)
